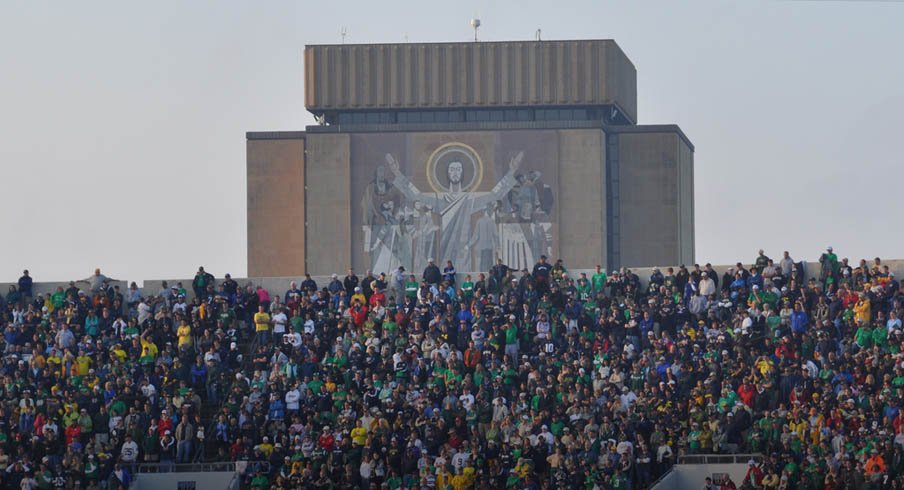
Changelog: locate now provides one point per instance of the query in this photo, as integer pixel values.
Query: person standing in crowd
(201, 281)
(25, 286)
(432, 275)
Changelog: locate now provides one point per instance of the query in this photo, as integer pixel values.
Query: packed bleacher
(502, 379)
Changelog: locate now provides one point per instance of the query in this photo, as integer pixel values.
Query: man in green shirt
(584, 288)
(829, 262)
(511, 340)
(880, 336)
(260, 481)
(864, 337)
(411, 287)
(599, 279)
(762, 260)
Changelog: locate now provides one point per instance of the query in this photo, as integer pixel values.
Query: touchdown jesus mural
(468, 197)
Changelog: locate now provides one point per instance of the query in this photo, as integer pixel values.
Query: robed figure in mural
(456, 207)
(385, 223)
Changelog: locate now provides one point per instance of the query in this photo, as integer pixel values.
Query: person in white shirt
(366, 472)
(129, 452)
(787, 264)
(547, 437)
(279, 322)
(627, 398)
(663, 453)
(293, 397)
(144, 310)
(707, 286)
(294, 340)
(467, 399)
(460, 460)
(543, 329)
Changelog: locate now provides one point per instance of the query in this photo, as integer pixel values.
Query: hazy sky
(123, 125)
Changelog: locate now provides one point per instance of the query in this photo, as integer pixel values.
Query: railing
(185, 467)
(244, 368)
(237, 467)
(719, 458)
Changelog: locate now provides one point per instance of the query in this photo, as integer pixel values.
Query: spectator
(25, 286)
(432, 274)
(202, 280)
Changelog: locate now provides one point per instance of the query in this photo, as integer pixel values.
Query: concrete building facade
(469, 152)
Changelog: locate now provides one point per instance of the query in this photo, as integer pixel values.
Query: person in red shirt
(754, 475)
(378, 298)
(358, 313)
(165, 424)
(898, 423)
(746, 393)
(326, 440)
(728, 484)
(73, 433)
(472, 356)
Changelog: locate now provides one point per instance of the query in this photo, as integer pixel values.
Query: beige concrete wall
(582, 198)
(648, 164)
(276, 207)
(328, 178)
(686, 234)
(621, 79)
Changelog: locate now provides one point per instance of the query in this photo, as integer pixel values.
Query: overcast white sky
(123, 125)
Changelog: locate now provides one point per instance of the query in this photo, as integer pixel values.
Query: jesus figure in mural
(456, 206)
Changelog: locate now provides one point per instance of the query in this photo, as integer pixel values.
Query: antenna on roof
(475, 23)
(538, 35)
(343, 32)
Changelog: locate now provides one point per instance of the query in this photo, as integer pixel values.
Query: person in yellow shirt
(359, 434)
(799, 426)
(459, 481)
(265, 447)
(443, 478)
(764, 364)
(863, 310)
(82, 363)
(38, 361)
(150, 347)
(359, 297)
(262, 325)
(54, 361)
(119, 353)
(184, 335)
(91, 380)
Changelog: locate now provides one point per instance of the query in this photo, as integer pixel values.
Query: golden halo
(455, 147)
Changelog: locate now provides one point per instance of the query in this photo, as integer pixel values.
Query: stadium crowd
(511, 379)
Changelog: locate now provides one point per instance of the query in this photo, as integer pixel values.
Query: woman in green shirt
(467, 287)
